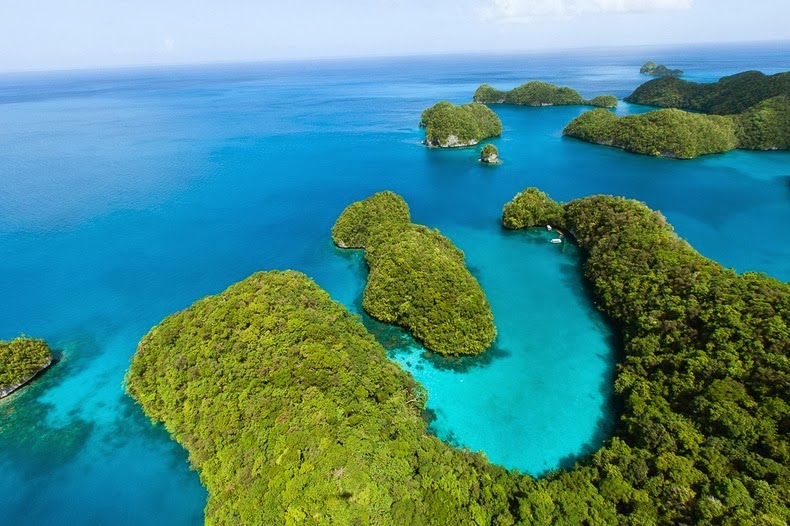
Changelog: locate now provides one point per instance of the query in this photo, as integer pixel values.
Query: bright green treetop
(20, 359)
(447, 125)
(537, 93)
(418, 278)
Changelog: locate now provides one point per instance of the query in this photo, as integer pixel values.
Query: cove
(542, 395)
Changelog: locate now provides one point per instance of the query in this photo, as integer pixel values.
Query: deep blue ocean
(125, 195)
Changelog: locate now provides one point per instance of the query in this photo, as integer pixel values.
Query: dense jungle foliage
(447, 125)
(20, 359)
(418, 278)
(705, 377)
(603, 101)
(537, 93)
(656, 70)
(729, 95)
(292, 413)
(360, 220)
(665, 133)
(532, 207)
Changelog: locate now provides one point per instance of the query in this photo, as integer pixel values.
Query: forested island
(418, 279)
(685, 135)
(727, 96)
(292, 413)
(537, 93)
(664, 133)
(656, 70)
(450, 126)
(489, 154)
(21, 359)
(749, 110)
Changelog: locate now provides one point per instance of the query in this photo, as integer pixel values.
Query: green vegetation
(293, 414)
(360, 220)
(418, 279)
(489, 154)
(665, 133)
(536, 93)
(749, 110)
(603, 101)
(531, 207)
(729, 95)
(765, 126)
(655, 70)
(447, 125)
(20, 360)
(703, 438)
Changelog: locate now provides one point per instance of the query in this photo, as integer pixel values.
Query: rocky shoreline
(8, 390)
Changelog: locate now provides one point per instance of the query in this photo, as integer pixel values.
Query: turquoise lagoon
(125, 195)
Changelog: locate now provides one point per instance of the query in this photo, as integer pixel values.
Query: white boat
(548, 227)
(556, 240)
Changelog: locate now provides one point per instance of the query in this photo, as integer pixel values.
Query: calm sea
(125, 195)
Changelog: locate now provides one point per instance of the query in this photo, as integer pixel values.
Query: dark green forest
(728, 96)
(749, 110)
(537, 93)
(447, 125)
(665, 133)
(418, 279)
(292, 413)
(20, 359)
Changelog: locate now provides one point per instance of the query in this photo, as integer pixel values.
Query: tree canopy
(537, 93)
(418, 279)
(729, 95)
(20, 359)
(656, 70)
(665, 133)
(705, 376)
(489, 154)
(292, 413)
(447, 125)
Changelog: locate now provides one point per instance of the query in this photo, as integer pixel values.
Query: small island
(489, 154)
(655, 70)
(450, 126)
(537, 93)
(418, 279)
(21, 359)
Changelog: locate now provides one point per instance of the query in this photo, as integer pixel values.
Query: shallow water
(126, 195)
